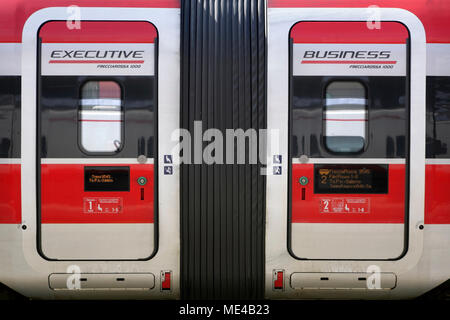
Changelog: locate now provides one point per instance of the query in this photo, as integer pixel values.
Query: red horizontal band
(437, 202)
(379, 208)
(347, 62)
(63, 199)
(98, 61)
(435, 17)
(348, 32)
(10, 199)
(89, 120)
(99, 32)
(345, 119)
(14, 13)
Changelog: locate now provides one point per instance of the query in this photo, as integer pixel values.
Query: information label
(350, 178)
(103, 205)
(344, 205)
(106, 178)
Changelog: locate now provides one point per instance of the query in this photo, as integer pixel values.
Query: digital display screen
(351, 178)
(106, 178)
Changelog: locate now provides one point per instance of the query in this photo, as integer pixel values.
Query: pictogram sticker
(168, 170)
(277, 170)
(103, 205)
(277, 158)
(344, 205)
(168, 158)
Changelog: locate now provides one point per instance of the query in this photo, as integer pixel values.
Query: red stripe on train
(435, 17)
(437, 199)
(10, 200)
(63, 199)
(348, 32)
(14, 13)
(98, 61)
(99, 32)
(345, 120)
(378, 208)
(346, 62)
(89, 120)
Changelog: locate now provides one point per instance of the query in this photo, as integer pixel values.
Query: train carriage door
(97, 140)
(349, 140)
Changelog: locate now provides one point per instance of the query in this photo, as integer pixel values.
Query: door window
(345, 117)
(101, 117)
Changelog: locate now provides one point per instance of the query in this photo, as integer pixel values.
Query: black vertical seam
(222, 207)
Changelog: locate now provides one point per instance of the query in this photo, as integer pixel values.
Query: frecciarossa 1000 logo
(349, 59)
(346, 54)
(96, 54)
(98, 59)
